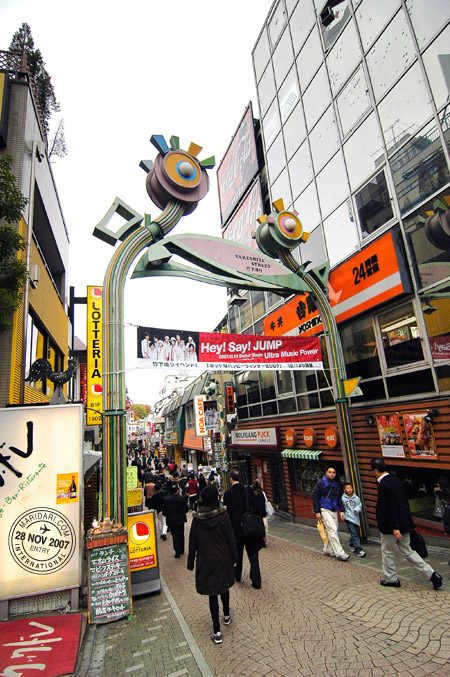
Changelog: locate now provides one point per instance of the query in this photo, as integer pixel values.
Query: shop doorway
(278, 483)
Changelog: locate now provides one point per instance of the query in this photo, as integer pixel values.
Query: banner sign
(226, 352)
(199, 414)
(261, 437)
(41, 496)
(94, 356)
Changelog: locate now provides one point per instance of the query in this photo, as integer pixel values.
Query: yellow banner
(134, 496)
(94, 356)
(141, 541)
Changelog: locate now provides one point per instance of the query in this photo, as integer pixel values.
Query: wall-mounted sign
(94, 396)
(373, 276)
(132, 477)
(331, 437)
(390, 435)
(290, 437)
(40, 498)
(309, 437)
(229, 398)
(199, 414)
(419, 433)
(261, 437)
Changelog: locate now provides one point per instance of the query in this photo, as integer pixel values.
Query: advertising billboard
(94, 356)
(241, 226)
(238, 167)
(41, 498)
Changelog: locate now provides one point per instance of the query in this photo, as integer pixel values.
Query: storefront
(194, 449)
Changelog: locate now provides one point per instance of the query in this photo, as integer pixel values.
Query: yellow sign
(67, 488)
(132, 477)
(141, 541)
(134, 497)
(94, 356)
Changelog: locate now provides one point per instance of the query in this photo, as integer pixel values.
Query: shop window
(267, 385)
(284, 382)
(401, 337)
(309, 401)
(269, 408)
(326, 398)
(189, 414)
(255, 411)
(443, 376)
(253, 394)
(373, 204)
(426, 489)
(287, 405)
(242, 413)
(360, 348)
(372, 390)
(308, 473)
(406, 384)
(305, 381)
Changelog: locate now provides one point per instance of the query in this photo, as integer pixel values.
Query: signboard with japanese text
(390, 435)
(94, 385)
(108, 583)
(40, 498)
(371, 277)
(232, 352)
(238, 167)
(132, 477)
(242, 225)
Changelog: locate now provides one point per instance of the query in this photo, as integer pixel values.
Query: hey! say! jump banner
(159, 348)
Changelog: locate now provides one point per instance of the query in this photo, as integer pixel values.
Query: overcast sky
(122, 72)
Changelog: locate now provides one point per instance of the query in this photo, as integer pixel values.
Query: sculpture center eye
(186, 169)
(290, 225)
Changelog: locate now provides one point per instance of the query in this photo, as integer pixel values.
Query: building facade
(40, 324)
(354, 106)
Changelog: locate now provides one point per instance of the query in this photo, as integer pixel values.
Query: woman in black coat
(213, 548)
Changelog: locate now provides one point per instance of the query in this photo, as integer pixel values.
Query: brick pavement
(313, 616)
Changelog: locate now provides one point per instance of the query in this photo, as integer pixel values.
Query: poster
(67, 487)
(211, 415)
(390, 436)
(419, 433)
(159, 348)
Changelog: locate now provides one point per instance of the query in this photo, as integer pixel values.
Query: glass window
(270, 408)
(234, 319)
(340, 234)
(266, 90)
(353, 101)
(273, 299)
(302, 20)
(403, 384)
(316, 98)
(300, 169)
(331, 32)
(373, 204)
(437, 64)
(391, 55)
(324, 139)
(360, 348)
(314, 248)
(288, 95)
(401, 337)
(284, 382)
(277, 23)
(363, 151)
(419, 168)
(275, 158)
(261, 54)
(271, 123)
(290, 4)
(309, 59)
(427, 19)
(344, 57)
(267, 385)
(326, 398)
(246, 314)
(283, 57)
(332, 184)
(430, 243)
(258, 304)
(282, 188)
(307, 206)
(405, 108)
(294, 131)
(189, 413)
(305, 381)
(287, 405)
(372, 16)
(310, 401)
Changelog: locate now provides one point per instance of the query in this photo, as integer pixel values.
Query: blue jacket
(353, 507)
(334, 500)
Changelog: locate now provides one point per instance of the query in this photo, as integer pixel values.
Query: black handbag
(418, 544)
(252, 525)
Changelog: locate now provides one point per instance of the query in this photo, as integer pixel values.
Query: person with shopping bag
(327, 502)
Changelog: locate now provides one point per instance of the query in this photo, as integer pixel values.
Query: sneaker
(436, 579)
(328, 554)
(217, 637)
(361, 553)
(391, 584)
(227, 620)
(351, 548)
(343, 558)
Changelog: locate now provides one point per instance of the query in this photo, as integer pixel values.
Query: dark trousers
(354, 541)
(214, 608)
(177, 532)
(253, 557)
(239, 537)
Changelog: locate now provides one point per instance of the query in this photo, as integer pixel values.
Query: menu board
(109, 583)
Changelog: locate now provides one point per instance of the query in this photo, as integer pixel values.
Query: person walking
(238, 500)
(175, 508)
(192, 491)
(352, 506)
(327, 502)
(395, 523)
(156, 503)
(212, 548)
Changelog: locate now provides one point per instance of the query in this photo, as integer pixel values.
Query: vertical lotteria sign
(41, 494)
(94, 356)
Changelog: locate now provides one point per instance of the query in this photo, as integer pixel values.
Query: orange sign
(331, 437)
(369, 278)
(290, 437)
(309, 437)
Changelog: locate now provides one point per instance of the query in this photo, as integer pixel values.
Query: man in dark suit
(236, 499)
(395, 523)
(175, 508)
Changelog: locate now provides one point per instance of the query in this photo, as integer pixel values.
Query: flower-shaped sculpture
(279, 230)
(177, 174)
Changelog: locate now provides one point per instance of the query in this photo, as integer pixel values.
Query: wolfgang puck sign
(40, 534)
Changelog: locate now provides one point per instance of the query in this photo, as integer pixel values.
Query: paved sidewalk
(313, 616)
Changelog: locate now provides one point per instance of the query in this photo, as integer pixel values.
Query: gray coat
(213, 548)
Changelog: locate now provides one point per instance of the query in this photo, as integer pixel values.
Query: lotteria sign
(94, 356)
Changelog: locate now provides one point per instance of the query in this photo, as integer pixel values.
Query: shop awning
(301, 453)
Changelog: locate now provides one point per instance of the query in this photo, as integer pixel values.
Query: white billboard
(41, 498)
